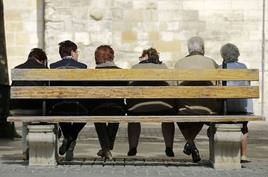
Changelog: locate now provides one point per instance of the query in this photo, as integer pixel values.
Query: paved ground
(151, 147)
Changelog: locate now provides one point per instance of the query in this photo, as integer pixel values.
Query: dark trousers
(69, 108)
(107, 131)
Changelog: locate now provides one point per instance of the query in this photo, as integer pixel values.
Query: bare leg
(244, 147)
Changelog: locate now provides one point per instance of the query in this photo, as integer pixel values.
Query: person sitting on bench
(104, 58)
(150, 59)
(37, 59)
(195, 60)
(69, 56)
(230, 54)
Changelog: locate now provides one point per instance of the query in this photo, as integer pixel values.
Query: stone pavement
(151, 148)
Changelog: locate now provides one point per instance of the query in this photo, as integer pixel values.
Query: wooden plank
(148, 119)
(133, 74)
(60, 92)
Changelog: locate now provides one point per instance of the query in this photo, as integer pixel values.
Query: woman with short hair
(150, 60)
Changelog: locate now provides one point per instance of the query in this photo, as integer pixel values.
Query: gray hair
(196, 44)
(229, 52)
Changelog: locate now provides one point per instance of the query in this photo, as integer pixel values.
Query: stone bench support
(225, 142)
(42, 145)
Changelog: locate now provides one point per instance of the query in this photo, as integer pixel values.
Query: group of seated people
(104, 58)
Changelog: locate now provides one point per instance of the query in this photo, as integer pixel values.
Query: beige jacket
(197, 106)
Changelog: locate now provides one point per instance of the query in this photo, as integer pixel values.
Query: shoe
(108, 155)
(187, 149)
(195, 155)
(132, 152)
(64, 147)
(70, 152)
(169, 152)
(25, 155)
(100, 153)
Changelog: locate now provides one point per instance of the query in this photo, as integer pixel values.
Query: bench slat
(133, 74)
(149, 119)
(74, 92)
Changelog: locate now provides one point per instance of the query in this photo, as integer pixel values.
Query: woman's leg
(168, 130)
(134, 130)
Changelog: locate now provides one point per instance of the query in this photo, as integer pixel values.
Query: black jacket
(94, 104)
(28, 104)
(68, 106)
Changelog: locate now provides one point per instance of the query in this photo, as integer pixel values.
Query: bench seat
(148, 119)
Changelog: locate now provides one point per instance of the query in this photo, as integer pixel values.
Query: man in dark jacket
(37, 59)
(104, 57)
(69, 54)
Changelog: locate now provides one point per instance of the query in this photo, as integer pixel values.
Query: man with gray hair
(195, 60)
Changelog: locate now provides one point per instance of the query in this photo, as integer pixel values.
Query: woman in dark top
(150, 59)
(104, 57)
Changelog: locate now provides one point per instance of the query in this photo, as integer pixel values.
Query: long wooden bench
(224, 142)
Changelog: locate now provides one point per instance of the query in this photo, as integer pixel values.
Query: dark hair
(65, 48)
(103, 54)
(38, 54)
(153, 56)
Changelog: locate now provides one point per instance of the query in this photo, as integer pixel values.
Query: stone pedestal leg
(42, 145)
(225, 142)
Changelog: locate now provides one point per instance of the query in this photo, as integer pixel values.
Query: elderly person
(195, 60)
(150, 59)
(104, 58)
(230, 54)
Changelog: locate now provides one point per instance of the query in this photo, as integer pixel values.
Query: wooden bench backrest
(69, 92)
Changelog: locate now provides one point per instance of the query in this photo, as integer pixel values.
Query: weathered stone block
(82, 37)
(167, 46)
(42, 145)
(154, 35)
(225, 141)
(129, 36)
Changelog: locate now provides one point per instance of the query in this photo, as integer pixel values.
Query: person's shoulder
(80, 64)
(242, 64)
(150, 65)
(55, 64)
(180, 61)
(212, 61)
(20, 66)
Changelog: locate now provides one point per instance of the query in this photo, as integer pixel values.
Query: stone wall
(23, 27)
(132, 25)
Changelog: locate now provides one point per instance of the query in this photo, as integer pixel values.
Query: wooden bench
(224, 142)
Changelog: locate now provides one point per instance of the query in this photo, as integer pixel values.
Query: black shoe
(64, 147)
(187, 149)
(101, 153)
(70, 152)
(195, 155)
(132, 152)
(169, 152)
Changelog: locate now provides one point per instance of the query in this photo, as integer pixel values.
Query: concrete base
(225, 142)
(42, 145)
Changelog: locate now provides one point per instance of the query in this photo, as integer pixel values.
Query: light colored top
(238, 105)
(197, 106)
